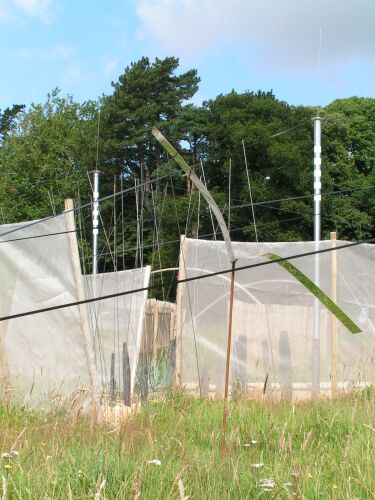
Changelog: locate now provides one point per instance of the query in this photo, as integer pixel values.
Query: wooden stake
(227, 368)
(126, 382)
(334, 319)
(155, 315)
(112, 382)
(179, 310)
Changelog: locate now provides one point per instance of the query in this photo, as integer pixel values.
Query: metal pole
(315, 389)
(317, 177)
(227, 368)
(95, 222)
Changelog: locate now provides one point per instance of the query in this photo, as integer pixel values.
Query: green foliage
(46, 151)
(47, 159)
(8, 120)
(146, 95)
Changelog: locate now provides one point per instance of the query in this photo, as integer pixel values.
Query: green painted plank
(317, 292)
(200, 186)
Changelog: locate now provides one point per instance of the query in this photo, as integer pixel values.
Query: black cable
(186, 280)
(201, 236)
(259, 203)
(41, 236)
(79, 207)
(266, 202)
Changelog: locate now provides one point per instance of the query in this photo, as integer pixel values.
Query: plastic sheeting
(45, 358)
(282, 338)
(117, 321)
(62, 357)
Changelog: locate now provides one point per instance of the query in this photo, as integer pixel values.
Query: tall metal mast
(317, 177)
(315, 362)
(95, 222)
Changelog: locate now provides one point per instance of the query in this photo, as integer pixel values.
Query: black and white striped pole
(317, 176)
(95, 222)
(315, 389)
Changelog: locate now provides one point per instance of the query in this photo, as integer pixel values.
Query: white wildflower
(15, 453)
(257, 466)
(6, 455)
(154, 462)
(246, 445)
(267, 484)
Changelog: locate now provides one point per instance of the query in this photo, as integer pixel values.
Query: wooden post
(155, 311)
(144, 375)
(334, 319)
(112, 380)
(85, 329)
(179, 309)
(172, 358)
(227, 368)
(172, 322)
(285, 367)
(204, 382)
(241, 348)
(126, 382)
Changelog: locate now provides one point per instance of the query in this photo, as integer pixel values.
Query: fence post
(205, 382)
(285, 365)
(155, 311)
(172, 358)
(334, 319)
(126, 375)
(112, 381)
(241, 352)
(179, 309)
(143, 366)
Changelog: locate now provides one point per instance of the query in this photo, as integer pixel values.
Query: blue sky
(81, 46)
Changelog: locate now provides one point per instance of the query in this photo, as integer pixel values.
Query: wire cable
(187, 280)
(89, 204)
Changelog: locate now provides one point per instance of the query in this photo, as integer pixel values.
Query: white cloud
(111, 65)
(4, 11)
(43, 10)
(60, 52)
(283, 33)
(40, 9)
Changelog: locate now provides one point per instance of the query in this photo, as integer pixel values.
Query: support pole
(334, 319)
(317, 177)
(126, 382)
(315, 388)
(80, 294)
(227, 367)
(95, 222)
(179, 311)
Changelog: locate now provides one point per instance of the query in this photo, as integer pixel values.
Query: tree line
(47, 150)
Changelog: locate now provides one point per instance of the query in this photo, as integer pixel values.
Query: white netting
(274, 324)
(45, 357)
(59, 356)
(117, 321)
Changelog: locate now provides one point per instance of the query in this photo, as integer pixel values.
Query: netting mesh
(56, 357)
(118, 321)
(44, 357)
(283, 337)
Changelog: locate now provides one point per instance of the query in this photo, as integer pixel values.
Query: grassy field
(307, 450)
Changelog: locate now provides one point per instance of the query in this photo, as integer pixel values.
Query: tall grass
(312, 450)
